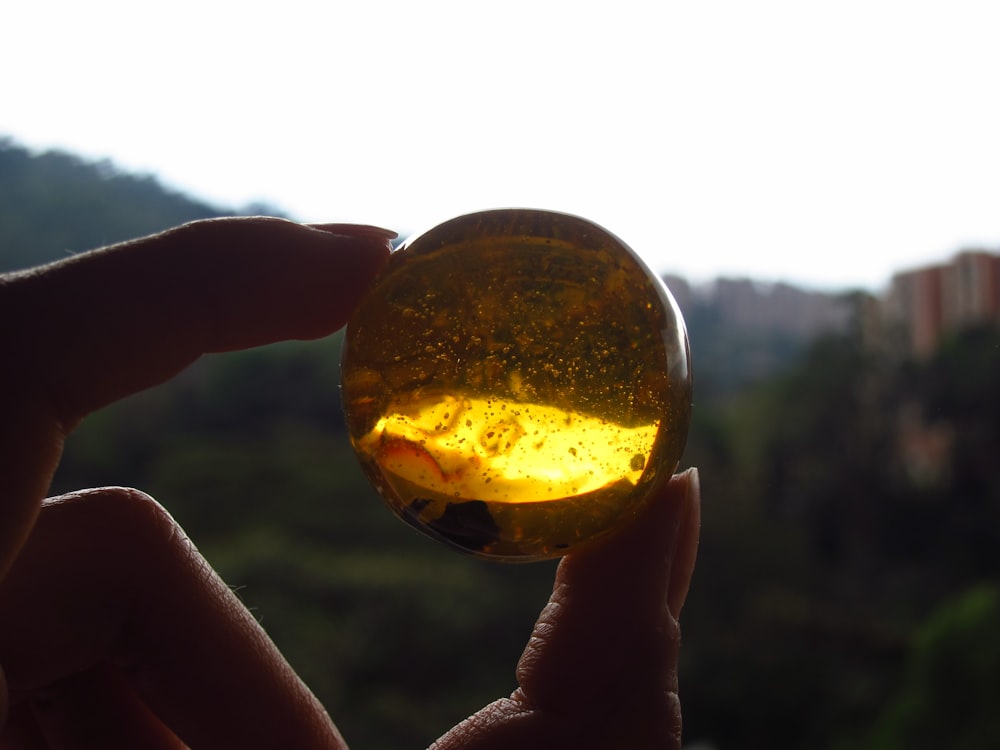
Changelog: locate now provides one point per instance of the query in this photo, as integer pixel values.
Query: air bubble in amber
(515, 383)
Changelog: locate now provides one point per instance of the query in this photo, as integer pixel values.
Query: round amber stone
(515, 382)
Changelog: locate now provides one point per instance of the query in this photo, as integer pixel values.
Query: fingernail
(356, 230)
(692, 491)
(679, 515)
(693, 484)
(685, 546)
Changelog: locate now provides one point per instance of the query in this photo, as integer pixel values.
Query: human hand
(109, 614)
(114, 632)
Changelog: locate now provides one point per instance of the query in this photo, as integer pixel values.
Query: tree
(951, 690)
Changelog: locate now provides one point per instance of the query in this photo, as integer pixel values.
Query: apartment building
(926, 303)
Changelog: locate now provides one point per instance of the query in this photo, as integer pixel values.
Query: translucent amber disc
(515, 382)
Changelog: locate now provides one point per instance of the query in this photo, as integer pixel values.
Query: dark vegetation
(847, 591)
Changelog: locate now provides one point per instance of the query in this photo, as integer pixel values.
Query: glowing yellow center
(505, 451)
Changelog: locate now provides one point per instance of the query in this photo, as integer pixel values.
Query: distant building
(913, 306)
(681, 290)
(749, 305)
(753, 305)
(970, 290)
(920, 306)
(923, 304)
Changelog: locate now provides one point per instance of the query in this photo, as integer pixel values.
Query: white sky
(821, 143)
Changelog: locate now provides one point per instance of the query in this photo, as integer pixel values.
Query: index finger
(105, 324)
(81, 333)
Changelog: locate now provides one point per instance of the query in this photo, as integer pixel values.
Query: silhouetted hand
(115, 632)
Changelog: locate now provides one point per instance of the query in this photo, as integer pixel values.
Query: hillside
(53, 204)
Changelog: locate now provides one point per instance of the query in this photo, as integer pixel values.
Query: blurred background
(817, 186)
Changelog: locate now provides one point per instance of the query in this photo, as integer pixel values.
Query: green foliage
(951, 690)
(821, 553)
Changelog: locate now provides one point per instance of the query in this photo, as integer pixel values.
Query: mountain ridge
(54, 204)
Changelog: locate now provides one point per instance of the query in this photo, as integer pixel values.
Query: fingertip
(368, 248)
(615, 601)
(356, 230)
(655, 552)
(154, 305)
(655, 528)
(693, 478)
(686, 547)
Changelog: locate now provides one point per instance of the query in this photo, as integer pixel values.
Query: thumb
(600, 669)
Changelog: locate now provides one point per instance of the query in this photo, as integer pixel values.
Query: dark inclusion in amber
(515, 383)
